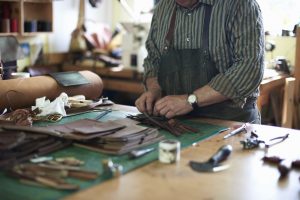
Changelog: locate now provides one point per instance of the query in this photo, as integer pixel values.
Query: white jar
(169, 151)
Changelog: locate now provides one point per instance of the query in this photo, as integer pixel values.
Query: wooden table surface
(246, 178)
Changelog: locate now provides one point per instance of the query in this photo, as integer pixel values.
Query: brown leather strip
(169, 36)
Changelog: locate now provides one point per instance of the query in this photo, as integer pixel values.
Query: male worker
(205, 58)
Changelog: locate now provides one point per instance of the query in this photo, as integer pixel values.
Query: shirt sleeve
(151, 62)
(246, 40)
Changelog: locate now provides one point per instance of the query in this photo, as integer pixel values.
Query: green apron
(182, 71)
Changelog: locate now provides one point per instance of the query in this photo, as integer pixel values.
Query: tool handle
(235, 132)
(221, 155)
(139, 153)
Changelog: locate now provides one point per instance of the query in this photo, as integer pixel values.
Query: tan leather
(82, 129)
(21, 93)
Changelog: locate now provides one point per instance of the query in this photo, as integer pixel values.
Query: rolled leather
(21, 93)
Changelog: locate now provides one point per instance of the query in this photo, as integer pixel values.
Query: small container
(169, 151)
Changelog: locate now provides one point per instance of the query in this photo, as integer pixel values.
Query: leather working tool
(103, 113)
(111, 169)
(253, 141)
(213, 164)
(140, 152)
(238, 130)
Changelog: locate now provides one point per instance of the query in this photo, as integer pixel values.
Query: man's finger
(149, 105)
(140, 104)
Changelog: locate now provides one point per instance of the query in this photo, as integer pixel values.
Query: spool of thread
(13, 25)
(44, 26)
(30, 26)
(5, 25)
(169, 151)
(6, 10)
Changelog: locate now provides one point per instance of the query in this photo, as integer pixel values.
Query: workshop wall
(65, 21)
(285, 46)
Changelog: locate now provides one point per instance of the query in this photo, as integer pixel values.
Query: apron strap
(169, 36)
(205, 38)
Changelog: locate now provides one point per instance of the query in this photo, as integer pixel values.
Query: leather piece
(10, 140)
(17, 147)
(89, 107)
(124, 140)
(82, 129)
(122, 149)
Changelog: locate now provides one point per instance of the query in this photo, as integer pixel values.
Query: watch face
(192, 99)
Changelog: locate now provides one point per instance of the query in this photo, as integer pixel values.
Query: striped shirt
(236, 42)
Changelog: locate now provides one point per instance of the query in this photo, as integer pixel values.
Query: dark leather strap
(205, 38)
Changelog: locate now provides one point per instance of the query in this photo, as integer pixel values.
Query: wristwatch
(193, 101)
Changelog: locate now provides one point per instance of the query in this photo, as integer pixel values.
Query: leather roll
(22, 92)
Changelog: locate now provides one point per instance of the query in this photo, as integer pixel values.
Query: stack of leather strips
(82, 129)
(174, 126)
(113, 137)
(17, 146)
(131, 137)
(52, 173)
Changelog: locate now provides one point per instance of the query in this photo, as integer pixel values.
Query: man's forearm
(152, 84)
(207, 96)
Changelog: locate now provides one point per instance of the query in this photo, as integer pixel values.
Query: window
(280, 15)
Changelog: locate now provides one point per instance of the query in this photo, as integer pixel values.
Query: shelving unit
(32, 16)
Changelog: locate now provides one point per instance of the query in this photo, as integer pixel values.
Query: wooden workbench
(268, 85)
(247, 178)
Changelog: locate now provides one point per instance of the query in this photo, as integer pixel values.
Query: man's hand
(171, 106)
(146, 101)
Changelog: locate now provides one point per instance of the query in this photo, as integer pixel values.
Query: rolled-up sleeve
(245, 35)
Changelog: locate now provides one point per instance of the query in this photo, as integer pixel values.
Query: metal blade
(207, 167)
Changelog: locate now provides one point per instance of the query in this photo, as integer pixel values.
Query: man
(205, 58)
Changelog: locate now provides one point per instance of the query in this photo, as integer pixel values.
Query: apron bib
(182, 71)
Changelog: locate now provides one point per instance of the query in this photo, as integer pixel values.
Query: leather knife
(213, 164)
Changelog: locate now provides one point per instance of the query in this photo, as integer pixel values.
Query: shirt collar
(210, 2)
